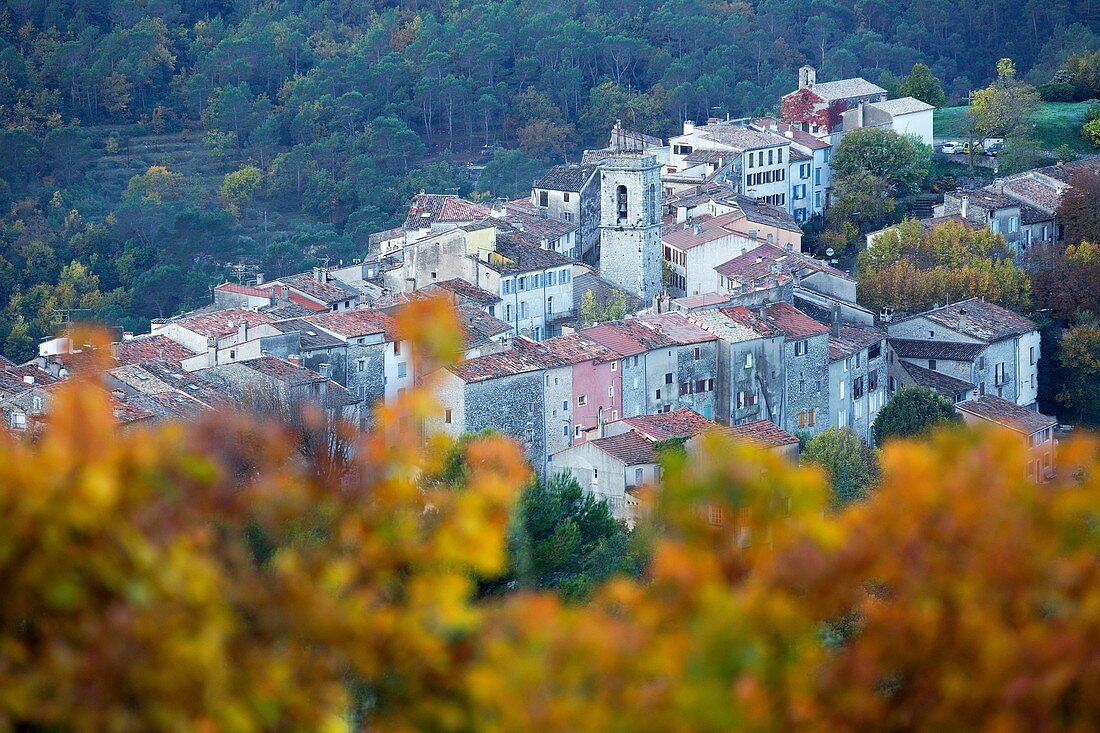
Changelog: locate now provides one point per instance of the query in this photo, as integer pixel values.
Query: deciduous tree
(913, 411)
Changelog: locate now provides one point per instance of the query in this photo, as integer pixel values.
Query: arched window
(620, 203)
(652, 204)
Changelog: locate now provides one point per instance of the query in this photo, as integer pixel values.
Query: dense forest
(151, 146)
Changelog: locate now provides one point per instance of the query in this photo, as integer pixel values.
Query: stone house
(693, 249)
(283, 388)
(571, 193)
(645, 354)
(535, 286)
(1000, 213)
(751, 367)
(991, 347)
(806, 369)
(224, 336)
(1034, 428)
(857, 377)
(692, 359)
(317, 290)
(757, 220)
(615, 466)
(756, 167)
(810, 174)
(373, 362)
(819, 108)
(905, 116)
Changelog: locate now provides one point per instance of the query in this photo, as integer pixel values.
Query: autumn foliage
(207, 577)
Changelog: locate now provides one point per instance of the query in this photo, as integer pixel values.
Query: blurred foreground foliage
(208, 577)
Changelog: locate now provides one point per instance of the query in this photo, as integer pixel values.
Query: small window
(447, 416)
(232, 353)
(614, 366)
(544, 199)
(668, 377)
(582, 400)
(565, 405)
(748, 360)
(698, 353)
(397, 348)
(658, 394)
(932, 364)
(811, 417)
(362, 364)
(401, 371)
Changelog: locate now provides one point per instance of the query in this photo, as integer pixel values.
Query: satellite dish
(830, 251)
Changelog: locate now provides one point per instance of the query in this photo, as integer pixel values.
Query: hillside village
(654, 290)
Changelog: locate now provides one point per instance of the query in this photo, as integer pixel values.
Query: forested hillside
(149, 145)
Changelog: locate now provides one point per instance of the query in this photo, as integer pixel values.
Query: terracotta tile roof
(629, 337)
(933, 223)
(310, 336)
(228, 287)
(768, 260)
(902, 106)
(221, 323)
(12, 378)
(677, 424)
(354, 323)
(466, 290)
(702, 300)
(1035, 190)
(630, 448)
(149, 348)
(289, 309)
(533, 225)
(754, 321)
(127, 412)
(724, 327)
(946, 350)
(191, 384)
(984, 198)
(327, 292)
(478, 326)
(794, 323)
(739, 137)
(835, 91)
(429, 208)
(704, 229)
(573, 348)
(529, 356)
(679, 328)
(282, 371)
(1065, 172)
(980, 319)
(851, 340)
(566, 177)
(938, 382)
(494, 366)
(764, 433)
(804, 139)
(1008, 414)
(515, 255)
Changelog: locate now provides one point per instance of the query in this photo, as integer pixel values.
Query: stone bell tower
(631, 204)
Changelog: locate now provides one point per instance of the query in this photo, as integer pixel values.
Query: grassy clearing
(1055, 124)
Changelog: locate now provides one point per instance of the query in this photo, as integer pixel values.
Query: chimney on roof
(696, 229)
(28, 379)
(788, 134)
(689, 127)
(295, 360)
(242, 332)
(836, 321)
(319, 274)
(862, 115)
(965, 209)
(259, 279)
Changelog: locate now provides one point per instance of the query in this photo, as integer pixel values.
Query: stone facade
(807, 384)
(630, 224)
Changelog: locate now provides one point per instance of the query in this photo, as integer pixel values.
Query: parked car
(951, 148)
(993, 149)
(966, 148)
